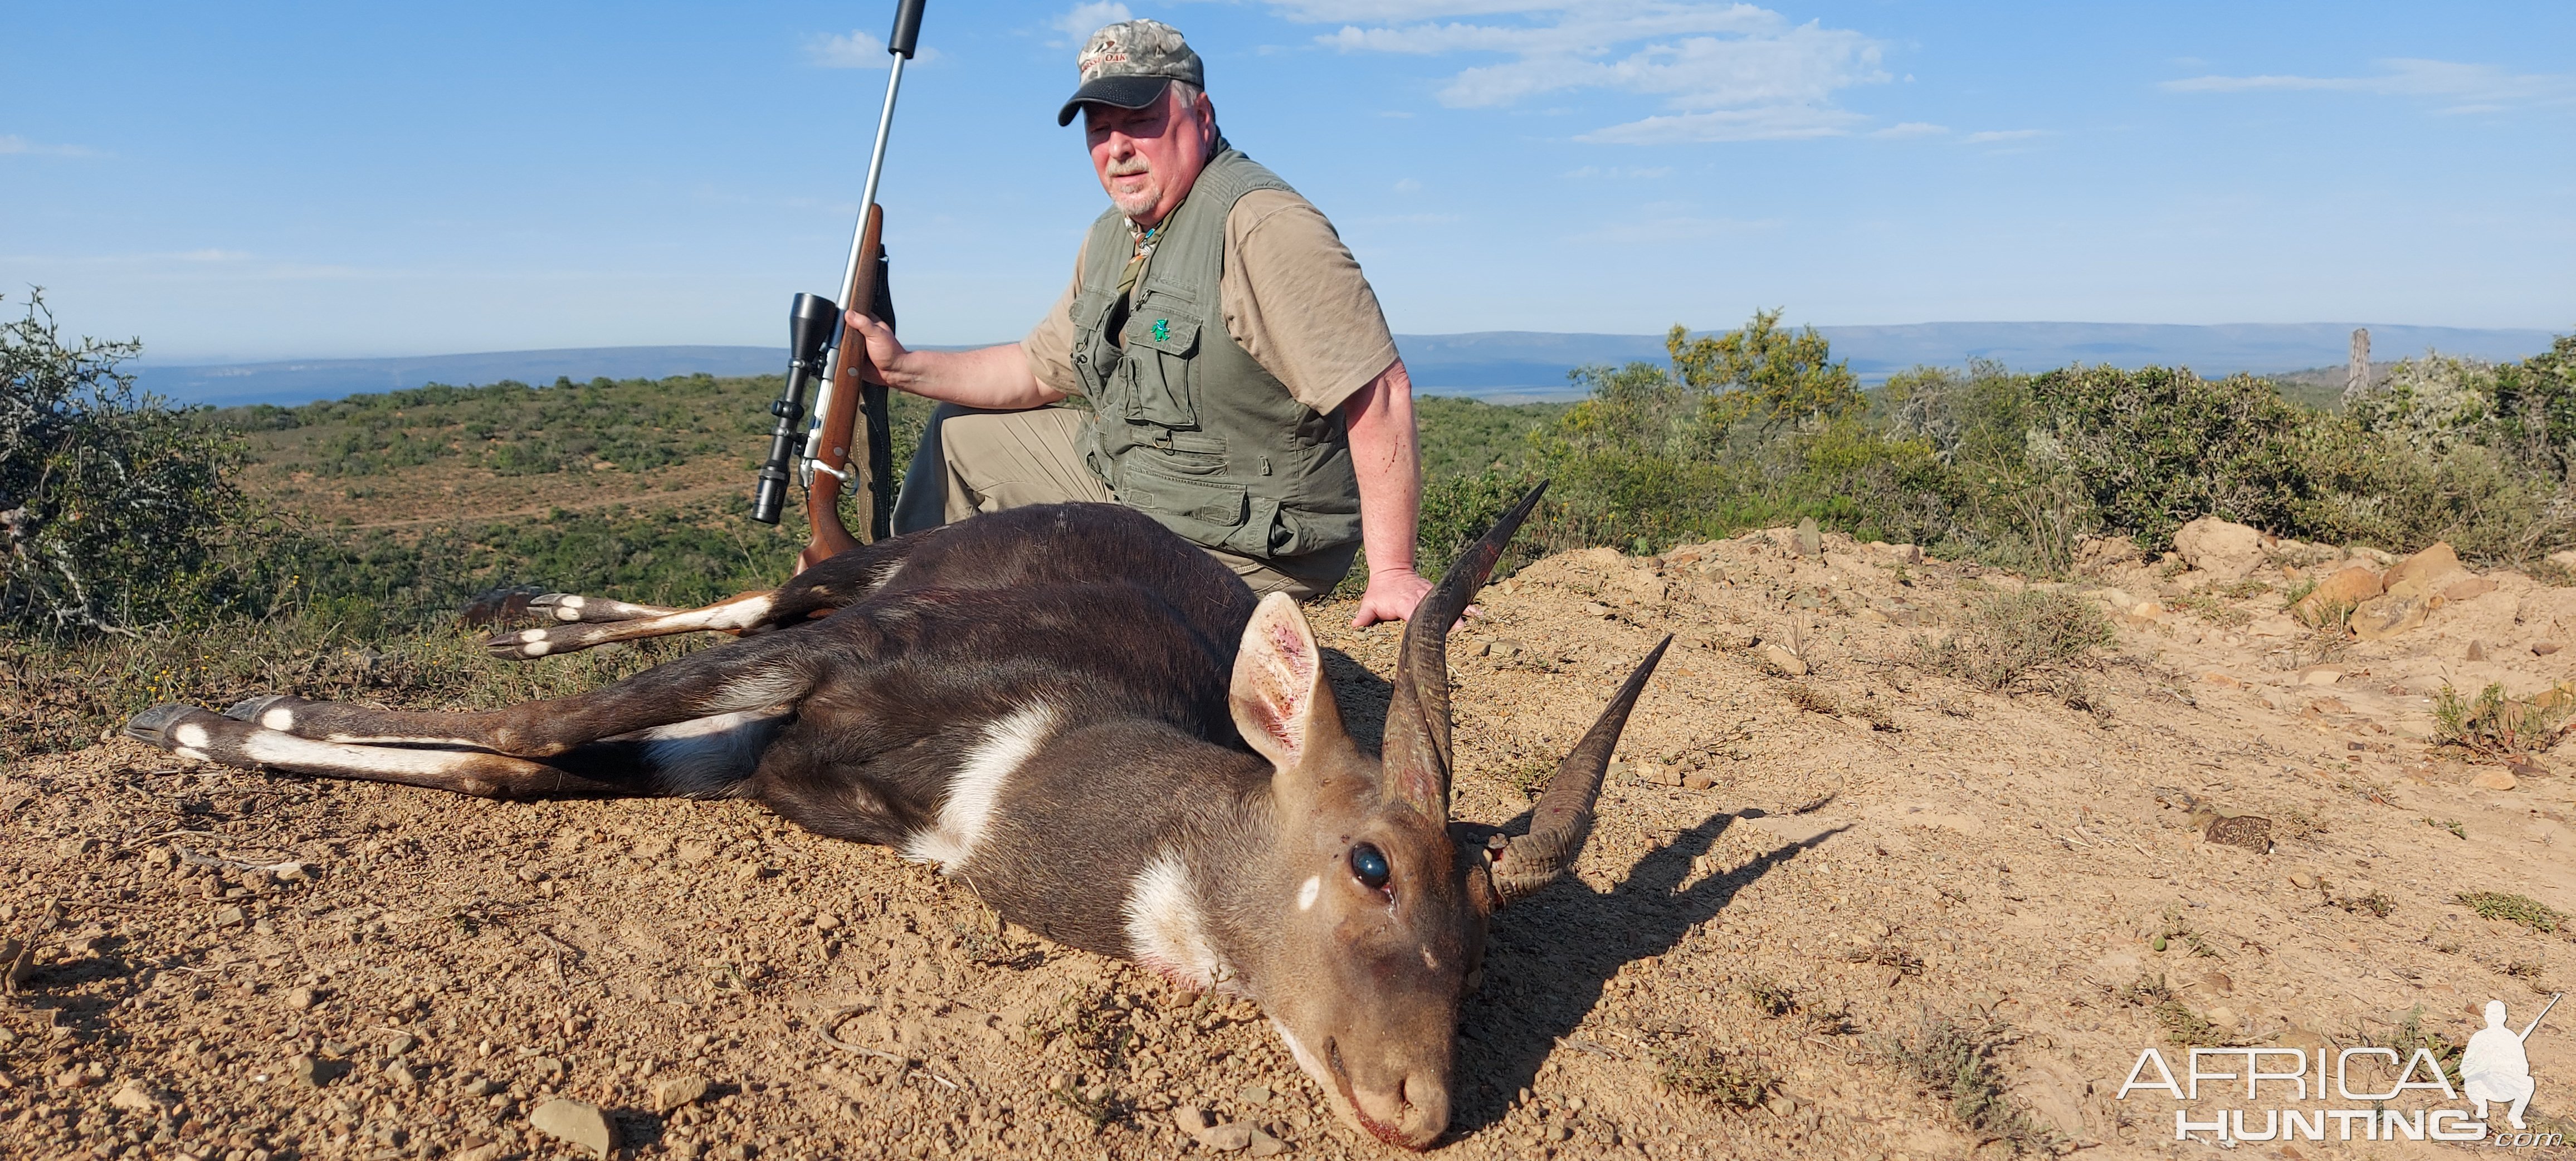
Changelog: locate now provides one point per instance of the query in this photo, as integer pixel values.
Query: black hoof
(154, 725)
(250, 709)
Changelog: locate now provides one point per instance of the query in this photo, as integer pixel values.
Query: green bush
(115, 509)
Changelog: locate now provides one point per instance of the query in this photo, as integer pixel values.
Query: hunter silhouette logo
(2495, 1068)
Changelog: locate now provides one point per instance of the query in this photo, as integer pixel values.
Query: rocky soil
(1838, 904)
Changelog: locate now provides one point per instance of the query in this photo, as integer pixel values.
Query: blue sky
(267, 181)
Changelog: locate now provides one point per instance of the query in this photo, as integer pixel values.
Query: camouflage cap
(1129, 64)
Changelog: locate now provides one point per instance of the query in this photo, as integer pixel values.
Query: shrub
(1955, 1059)
(2009, 636)
(2522, 909)
(114, 508)
(2492, 724)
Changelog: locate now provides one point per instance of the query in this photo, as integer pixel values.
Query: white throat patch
(1166, 929)
(977, 785)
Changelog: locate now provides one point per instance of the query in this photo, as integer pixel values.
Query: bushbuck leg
(814, 593)
(750, 677)
(706, 758)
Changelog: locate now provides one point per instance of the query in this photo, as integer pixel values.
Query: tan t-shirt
(1293, 299)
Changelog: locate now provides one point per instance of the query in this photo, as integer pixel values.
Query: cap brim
(1118, 92)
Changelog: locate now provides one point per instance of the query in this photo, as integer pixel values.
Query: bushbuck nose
(1410, 1113)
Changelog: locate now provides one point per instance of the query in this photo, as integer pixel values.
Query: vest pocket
(1172, 488)
(1158, 363)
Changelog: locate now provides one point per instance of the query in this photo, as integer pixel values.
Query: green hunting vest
(1186, 428)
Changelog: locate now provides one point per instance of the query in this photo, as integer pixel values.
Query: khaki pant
(986, 461)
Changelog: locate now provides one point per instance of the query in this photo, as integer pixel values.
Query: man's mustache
(1130, 167)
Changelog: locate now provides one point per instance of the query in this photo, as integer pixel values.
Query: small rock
(670, 1092)
(2388, 615)
(314, 1073)
(2344, 590)
(479, 1086)
(1595, 609)
(134, 1098)
(73, 848)
(292, 872)
(2303, 880)
(2477, 652)
(2253, 832)
(1265, 1145)
(1253, 1094)
(402, 1074)
(2223, 1017)
(2223, 548)
(401, 1043)
(750, 871)
(230, 916)
(2425, 573)
(576, 1122)
(485, 1152)
(2468, 590)
(302, 999)
(1811, 540)
(2493, 780)
(1783, 660)
(1190, 1119)
(1503, 647)
(2544, 648)
(2321, 675)
(1698, 780)
(2221, 680)
(1225, 1138)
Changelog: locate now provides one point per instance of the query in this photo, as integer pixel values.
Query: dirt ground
(1763, 961)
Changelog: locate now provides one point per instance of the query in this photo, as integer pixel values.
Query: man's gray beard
(1138, 204)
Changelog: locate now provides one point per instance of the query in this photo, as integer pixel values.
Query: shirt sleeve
(1294, 300)
(1049, 345)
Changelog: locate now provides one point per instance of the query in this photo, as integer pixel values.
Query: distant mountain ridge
(1498, 365)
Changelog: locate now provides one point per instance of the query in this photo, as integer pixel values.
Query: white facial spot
(1166, 929)
(1429, 960)
(1313, 890)
(280, 718)
(190, 735)
(977, 785)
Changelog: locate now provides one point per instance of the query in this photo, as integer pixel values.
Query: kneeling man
(1244, 390)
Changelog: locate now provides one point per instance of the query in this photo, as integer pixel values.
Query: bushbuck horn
(1416, 750)
(1562, 820)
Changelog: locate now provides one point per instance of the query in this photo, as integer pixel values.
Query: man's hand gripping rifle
(813, 323)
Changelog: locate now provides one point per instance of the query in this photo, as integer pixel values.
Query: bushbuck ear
(1282, 706)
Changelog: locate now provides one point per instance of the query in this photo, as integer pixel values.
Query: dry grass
(2491, 723)
(2008, 637)
(2522, 909)
(1955, 1059)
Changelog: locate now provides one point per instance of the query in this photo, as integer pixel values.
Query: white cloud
(1911, 129)
(1725, 71)
(20, 145)
(2461, 88)
(1082, 20)
(1993, 135)
(857, 50)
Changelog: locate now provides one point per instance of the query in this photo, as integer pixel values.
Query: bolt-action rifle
(822, 454)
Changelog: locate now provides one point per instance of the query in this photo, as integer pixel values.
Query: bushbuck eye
(1368, 865)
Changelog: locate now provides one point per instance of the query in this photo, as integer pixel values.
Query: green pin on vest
(1162, 330)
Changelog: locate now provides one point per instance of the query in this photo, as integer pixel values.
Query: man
(1243, 388)
(2495, 1068)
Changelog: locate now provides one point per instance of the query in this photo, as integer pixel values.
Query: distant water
(1498, 365)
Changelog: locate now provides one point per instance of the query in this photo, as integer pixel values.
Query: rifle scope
(811, 321)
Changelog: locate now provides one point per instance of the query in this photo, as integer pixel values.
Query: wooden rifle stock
(838, 430)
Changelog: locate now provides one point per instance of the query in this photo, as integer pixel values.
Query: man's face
(1147, 158)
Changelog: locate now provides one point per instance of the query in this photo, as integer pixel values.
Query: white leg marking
(192, 754)
(296, 753)
(707, 757)
(977, 785)
(1306, 895)
(1166, 927)
(532, 636)
(536, 648)
(569, 608)
(190, 735)
(280, 718)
